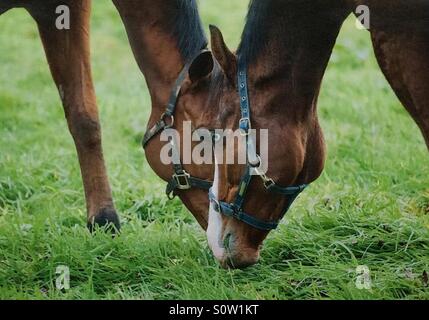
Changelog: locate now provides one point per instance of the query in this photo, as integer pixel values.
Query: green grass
(370, 207)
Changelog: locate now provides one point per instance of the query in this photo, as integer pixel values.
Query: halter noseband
(235, 209)
(181, 180)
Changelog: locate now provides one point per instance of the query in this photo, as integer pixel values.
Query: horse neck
(297, 46)
(155, 49)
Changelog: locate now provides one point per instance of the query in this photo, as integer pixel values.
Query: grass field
(370, 207)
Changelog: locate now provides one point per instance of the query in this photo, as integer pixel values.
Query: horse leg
(402, 51)
(68, 56)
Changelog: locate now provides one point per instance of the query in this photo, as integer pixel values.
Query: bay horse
(283, 55)
(164, 35)
(285, 49)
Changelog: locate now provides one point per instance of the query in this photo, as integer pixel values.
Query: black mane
(258, 24)
(284, 24)
(187, 28)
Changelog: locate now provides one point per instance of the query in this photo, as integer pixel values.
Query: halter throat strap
(181, 180)
(167, 118)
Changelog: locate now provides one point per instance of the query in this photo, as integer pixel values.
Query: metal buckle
(244, 122)
(168, 124)
(257, 165)
(268, 182)
(182, 180)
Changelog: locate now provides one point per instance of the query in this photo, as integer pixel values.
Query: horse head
(276, 74)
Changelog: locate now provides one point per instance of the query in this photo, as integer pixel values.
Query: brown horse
(286, 46)
(164, 35)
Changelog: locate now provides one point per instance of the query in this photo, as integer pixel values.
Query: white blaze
(214, 230)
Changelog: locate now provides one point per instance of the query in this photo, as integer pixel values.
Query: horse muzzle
(233, 254)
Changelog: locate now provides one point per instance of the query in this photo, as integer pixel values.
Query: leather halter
(181, 180)
(235, 209)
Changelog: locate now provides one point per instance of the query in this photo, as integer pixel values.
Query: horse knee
(85, 130)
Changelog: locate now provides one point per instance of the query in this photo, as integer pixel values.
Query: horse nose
(239, 261)
(237, 257)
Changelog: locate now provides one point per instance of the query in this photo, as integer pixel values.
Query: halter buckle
(182, 180)
(168, 119)
(268, 183)
(244, 126)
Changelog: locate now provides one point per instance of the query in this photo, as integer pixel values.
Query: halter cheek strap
(181, 180)
(235, 209)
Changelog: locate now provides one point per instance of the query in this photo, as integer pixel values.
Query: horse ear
(201, 67)
(227, 60)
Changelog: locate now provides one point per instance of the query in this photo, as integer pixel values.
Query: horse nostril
(227, 241)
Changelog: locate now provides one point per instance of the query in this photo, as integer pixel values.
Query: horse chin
(241, 260)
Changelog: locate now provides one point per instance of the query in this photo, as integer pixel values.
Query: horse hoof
(106, 219)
